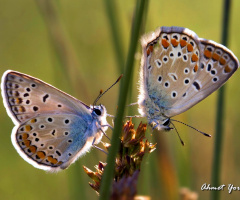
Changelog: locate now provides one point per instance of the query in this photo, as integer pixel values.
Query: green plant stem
(115, 30)
(115, 142)
(220, 112)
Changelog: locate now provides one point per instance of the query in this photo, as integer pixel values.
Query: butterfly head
(99, 112)
(161, 125)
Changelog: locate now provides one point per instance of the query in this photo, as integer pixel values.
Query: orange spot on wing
(41, 154)
(207, 54)
(28, 128)
(195, 68)
(27, 143)
(21, 109)
(24, 136)
(18, 100)
(165, 43)
(149, 49)
(183, 43)
(59, 163)
(52, 160)
(174, 42)
(222, 61)
(33, 149)
(194, 58)
(227, 69)
(33, 120)
(189, 48)
(215, 57)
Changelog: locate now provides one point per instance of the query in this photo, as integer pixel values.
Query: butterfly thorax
(154, 113)
(99, 119)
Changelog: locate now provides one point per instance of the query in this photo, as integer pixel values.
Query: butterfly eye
(98, 112)
(167, 122)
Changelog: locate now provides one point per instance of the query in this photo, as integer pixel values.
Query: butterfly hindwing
(51, 140)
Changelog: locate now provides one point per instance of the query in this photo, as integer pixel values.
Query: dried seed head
(127, 163)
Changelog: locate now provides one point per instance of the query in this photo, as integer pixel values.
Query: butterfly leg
(137, 116)
(103, 134)
(108, 125)
(110, 115)
(133, 104)
(95, 146)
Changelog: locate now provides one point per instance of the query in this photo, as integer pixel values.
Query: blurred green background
(69, 45)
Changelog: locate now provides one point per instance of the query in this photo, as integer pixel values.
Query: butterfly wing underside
(51, 127)
(179, 69)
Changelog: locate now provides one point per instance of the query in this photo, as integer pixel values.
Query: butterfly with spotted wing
(178, 70)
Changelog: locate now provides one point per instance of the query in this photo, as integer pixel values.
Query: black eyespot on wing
(66, 121)
(50, 119)
(159, 78)
(45, 97)
(213, 72)
(166, 84)
(185, 57)
(58, 153)
(53, 132)
(175, 37)
(196, 85)
(209, 67)
(174, 77)
(35, 108)
(42, 126)
(186, 81)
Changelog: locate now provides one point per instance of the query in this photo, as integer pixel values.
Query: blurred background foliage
(73, 49)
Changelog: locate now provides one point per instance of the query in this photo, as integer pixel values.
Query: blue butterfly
(52, 129)
(178, 70)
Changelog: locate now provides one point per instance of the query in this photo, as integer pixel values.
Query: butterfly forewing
(216, 65)
(25, 96)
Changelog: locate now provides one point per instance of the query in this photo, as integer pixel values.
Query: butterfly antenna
(102, 93)
(192, 128)
(178, 134)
